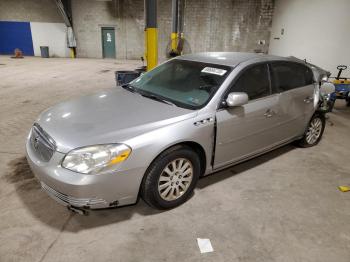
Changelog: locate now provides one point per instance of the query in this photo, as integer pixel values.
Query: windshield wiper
(133, 89)
(157, 98)
(129, 88)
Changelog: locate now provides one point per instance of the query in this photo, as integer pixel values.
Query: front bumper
(73, 201)
(87, 191)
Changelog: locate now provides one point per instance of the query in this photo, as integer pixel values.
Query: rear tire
(170, 179)
(314, 131)
(330, 106)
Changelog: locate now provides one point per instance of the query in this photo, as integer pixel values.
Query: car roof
(231, 58)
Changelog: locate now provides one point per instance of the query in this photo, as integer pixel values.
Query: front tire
(348, 101)
(171, 178)
(314, 131)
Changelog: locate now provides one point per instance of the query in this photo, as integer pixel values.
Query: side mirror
(236, 99)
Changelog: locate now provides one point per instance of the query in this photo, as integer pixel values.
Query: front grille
(69, 200)
(42, 143)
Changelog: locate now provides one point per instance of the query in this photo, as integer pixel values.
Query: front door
(108, 42)
(245, 130)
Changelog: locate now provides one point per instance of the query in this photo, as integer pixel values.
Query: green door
(108, 42)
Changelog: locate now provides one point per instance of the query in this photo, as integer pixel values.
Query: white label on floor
(204, 245)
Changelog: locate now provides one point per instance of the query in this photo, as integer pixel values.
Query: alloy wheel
(314, 131)
(175, 179)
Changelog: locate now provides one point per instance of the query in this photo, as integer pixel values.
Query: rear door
(245, 130)
(295, 85)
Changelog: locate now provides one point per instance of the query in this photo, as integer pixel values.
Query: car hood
(112, 116)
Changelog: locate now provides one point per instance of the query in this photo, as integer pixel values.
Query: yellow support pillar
(174, 25)
(151, 34)
(174, 37)
(72, 54)
(151, 47)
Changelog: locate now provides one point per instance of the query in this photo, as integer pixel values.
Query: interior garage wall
(228, 25)
(29, 10)
(15, 35)
(52, 35)
(210, 25)
(317, 30)
(46, 25)
(125, 16)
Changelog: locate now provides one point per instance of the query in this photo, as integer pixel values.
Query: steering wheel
(342, 67)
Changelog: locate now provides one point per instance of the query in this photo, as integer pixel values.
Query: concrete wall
(228, 25)
(210, 25)
(126, 16)
(46, 23)
(317, 30)
(52, 35)
(29, 11)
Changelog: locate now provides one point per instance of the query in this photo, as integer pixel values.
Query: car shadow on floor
(47, 211)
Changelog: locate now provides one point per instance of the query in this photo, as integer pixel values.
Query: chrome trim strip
(69, 200)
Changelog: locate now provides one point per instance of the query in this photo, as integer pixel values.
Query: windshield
(187, 84)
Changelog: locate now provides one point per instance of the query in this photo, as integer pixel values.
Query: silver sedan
(154, 137)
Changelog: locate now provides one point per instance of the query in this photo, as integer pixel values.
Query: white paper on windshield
(214, 71)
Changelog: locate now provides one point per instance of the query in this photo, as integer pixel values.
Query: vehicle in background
(342, 88)
(154, 137)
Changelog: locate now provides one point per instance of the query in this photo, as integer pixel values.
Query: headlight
(96, 159)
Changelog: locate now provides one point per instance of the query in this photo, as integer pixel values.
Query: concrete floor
(283, 206)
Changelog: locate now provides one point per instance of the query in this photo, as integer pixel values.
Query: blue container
(125, 77)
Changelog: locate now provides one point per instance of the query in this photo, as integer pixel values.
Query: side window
(309, 76)
(287, 76)
(254, 81)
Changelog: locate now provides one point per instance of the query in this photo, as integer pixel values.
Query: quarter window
(287, 76)
(254, 81)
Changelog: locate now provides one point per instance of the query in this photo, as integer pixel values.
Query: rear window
(287, 76)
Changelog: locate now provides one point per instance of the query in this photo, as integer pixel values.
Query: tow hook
(77, 210)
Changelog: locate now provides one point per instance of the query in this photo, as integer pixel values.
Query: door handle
(308, 100)
(269, 113)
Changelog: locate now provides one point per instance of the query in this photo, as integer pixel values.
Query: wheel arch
(200, 151)
(196, 147)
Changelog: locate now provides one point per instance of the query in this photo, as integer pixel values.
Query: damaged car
(156, 136)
